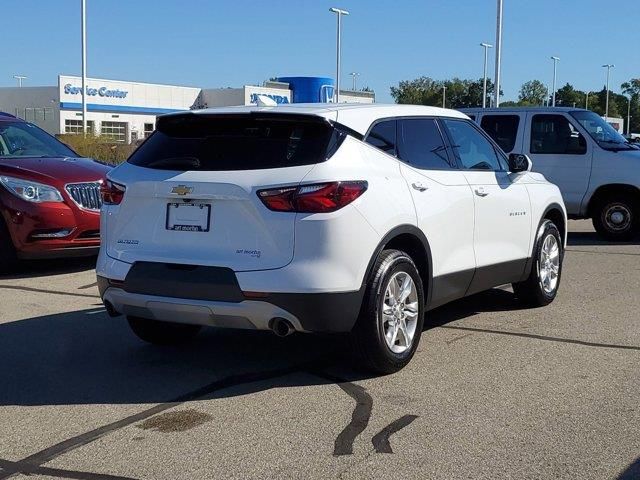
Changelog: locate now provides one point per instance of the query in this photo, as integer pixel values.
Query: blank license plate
(188, 217)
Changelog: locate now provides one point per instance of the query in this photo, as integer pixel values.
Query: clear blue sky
(219, 43)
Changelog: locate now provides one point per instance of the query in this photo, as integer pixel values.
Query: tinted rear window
(503, 129)
(235, 142)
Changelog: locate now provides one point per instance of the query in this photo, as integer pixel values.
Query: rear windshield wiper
(179, 163)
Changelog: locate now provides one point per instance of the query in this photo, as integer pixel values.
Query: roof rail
(5, 114)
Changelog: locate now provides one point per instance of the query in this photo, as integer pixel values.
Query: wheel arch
(603, 191)
(409, 239)
(555, 213)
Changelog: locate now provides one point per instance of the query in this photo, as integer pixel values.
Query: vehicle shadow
(632, 472)
(42, 268)
(494, 300)
(85, 357)
(583, 239)
(90, 358)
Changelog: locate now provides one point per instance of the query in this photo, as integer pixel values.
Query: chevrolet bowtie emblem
(181, 190)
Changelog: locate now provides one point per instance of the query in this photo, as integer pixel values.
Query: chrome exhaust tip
(281, 327)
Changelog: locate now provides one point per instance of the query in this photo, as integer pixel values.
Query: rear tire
(162, 333)
(541, 287)
(8, 257)
(617, 218)
(389, 327)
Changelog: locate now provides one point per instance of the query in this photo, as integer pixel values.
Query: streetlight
(20, 78)
(608, 66)
(496, 82)
(486, 47)
(586, 101)
(555, 66)
(353, 76)
(628, 114)
(84, 66)
(444, 95)
(339, 12)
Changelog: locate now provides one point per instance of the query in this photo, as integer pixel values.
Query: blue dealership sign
(279, 99)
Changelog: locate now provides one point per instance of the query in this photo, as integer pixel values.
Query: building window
(148, 129)
(75, 126)
(115, 130)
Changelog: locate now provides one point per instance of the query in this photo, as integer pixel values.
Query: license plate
(188, 217)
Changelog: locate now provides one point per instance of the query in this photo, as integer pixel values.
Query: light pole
(339, 12)
(586, 101)
(354, 75)
(496, 83)
(444, 95)
(84, 67)
(628, 114)
(486, 48)
(20, 78)
(608, 66)
(555, 66)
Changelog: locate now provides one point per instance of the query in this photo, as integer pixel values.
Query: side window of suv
(554, 134)
(383, 136)
(474, 151)
(503, 129)
(420, 144)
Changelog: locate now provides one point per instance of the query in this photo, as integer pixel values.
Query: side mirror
(519, 163)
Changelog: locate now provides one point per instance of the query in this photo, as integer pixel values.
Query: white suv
(322, 218)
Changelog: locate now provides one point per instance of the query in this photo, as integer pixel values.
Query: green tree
(532, 92)
(421, 91)
(632, 90)
(568, 96)
(427, 91)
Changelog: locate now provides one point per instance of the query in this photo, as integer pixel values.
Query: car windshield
(604, 134)
(22, 139)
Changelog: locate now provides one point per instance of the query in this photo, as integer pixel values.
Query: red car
(49, 198)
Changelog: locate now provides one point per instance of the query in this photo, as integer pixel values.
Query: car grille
(86, 195)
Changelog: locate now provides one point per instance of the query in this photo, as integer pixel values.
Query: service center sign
(92, 92)
(106, 92)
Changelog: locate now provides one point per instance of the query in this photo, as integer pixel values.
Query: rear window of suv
(236, 142)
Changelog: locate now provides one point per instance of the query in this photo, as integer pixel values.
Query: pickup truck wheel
(8, 258)
(388, 330)
(617, 218)
(162, 333)
(541, 287)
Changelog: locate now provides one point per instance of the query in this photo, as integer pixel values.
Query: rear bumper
(307, 312)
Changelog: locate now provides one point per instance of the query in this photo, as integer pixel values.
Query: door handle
(480, 192)
(419, 186)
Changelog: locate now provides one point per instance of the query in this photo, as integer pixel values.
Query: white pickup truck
(596, 168)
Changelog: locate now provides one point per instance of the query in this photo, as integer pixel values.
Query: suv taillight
(315, 198)
(112, 193)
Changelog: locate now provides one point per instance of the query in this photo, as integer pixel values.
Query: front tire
(389, 327)
(162, 333)
(617, 218)
(541, 287)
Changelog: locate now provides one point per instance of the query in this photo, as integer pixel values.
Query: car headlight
(31, 191)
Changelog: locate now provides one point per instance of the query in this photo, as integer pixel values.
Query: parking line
(543, 337)
(54, 292)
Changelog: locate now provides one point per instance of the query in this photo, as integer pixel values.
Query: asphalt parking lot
(495, 391)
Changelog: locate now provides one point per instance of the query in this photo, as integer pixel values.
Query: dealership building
(126, 111)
